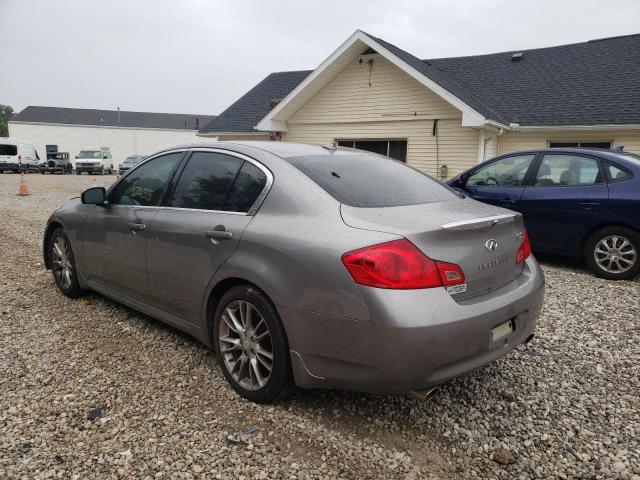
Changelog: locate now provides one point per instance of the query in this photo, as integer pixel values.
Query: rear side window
(560, 170)
(205, 181)
(371, 181)
(246, 188)
(11, 150)
(616, 174)
(146, 184)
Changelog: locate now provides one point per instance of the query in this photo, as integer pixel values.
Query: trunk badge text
(491, 245)
(493, 263)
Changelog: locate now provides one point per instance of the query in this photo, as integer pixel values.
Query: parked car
(94, 160)
(17, 156)
(57, 162)
(331, 268)
(576, 202)
(129, 162)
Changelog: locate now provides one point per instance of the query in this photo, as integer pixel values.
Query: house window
(581, 144)
(396, 149)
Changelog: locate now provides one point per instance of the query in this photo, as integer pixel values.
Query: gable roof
(590, 83)
(248, 110)
(91, 117)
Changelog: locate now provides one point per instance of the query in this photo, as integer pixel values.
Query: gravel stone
(564, 406)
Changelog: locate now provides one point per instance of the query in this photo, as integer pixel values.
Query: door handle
(509, 201)
(588, 205)
(218, 233)
(137, 227)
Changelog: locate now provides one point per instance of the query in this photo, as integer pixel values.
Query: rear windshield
(371, 181)
(8, 150)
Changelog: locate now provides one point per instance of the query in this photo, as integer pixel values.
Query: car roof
(277, 148)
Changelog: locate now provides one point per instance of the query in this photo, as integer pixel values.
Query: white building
(125, 133)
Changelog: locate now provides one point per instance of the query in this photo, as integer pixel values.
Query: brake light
(399, 265)
(524, 250)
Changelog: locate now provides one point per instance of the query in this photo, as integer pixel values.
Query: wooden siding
(514, 141)
(395, 106)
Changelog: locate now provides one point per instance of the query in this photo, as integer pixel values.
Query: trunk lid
(481, 239)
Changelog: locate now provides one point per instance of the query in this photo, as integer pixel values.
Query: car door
(114, 237)
(501, 181)
(200, 227)
(568, 194)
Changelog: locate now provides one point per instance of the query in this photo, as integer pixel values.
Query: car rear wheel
(63, 264)
(614, 253)
(251, 344)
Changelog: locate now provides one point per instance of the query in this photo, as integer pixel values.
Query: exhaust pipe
(423, 395)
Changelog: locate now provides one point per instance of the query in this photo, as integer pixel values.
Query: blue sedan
(576, 202)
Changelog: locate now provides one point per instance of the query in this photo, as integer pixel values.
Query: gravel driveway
(92, 389)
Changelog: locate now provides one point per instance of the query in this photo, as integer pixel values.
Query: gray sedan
(317, 266)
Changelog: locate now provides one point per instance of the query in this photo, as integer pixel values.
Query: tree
(6, 112)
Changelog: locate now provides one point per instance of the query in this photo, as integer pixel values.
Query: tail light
(524, 250)
(399, 265)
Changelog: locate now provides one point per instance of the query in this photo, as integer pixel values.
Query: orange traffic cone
(24, 188)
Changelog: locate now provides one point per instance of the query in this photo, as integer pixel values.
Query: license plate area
(503, 330)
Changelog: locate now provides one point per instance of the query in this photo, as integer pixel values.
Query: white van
(17, 156)
(94, 160)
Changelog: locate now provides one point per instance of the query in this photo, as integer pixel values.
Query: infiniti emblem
(491, 245)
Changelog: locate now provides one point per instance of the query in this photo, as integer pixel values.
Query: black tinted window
(8, 150)
(205, 181)
(371, 181)
(246, 188)
(145, 184)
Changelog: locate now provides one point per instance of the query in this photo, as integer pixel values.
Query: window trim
(178, 171)
(525, 180)
(534, 173)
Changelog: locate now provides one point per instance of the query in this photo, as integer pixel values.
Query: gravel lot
(91, 389)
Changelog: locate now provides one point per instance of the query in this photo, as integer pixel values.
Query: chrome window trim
(252, 211)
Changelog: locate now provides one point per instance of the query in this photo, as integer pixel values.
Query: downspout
(434, 133)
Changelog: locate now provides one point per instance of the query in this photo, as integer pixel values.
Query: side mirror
(94, 196)
(457, 182)
(77, 156)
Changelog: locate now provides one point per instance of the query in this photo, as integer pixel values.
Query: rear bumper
(416, 338)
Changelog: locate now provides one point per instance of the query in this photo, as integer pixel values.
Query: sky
(199, 56)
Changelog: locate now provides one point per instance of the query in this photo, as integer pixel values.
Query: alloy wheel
(615, 254)
(62, 263)
(245, 345)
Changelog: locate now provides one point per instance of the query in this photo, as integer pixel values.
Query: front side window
(504, 172)
(567, 171)
(146, 184)
(205, 181)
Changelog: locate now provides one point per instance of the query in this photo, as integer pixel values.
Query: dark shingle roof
(249, 109)
(590, 83)
(83, 116)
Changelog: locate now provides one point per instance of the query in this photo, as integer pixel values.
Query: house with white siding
(444, 115)
(124, 132)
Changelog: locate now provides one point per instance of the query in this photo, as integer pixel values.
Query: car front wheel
(251, 344)
(613, 253)
(63, 264)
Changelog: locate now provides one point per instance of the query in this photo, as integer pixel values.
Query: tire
(67, 283)
(245, 382)
(608, 256)
(78, 172)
